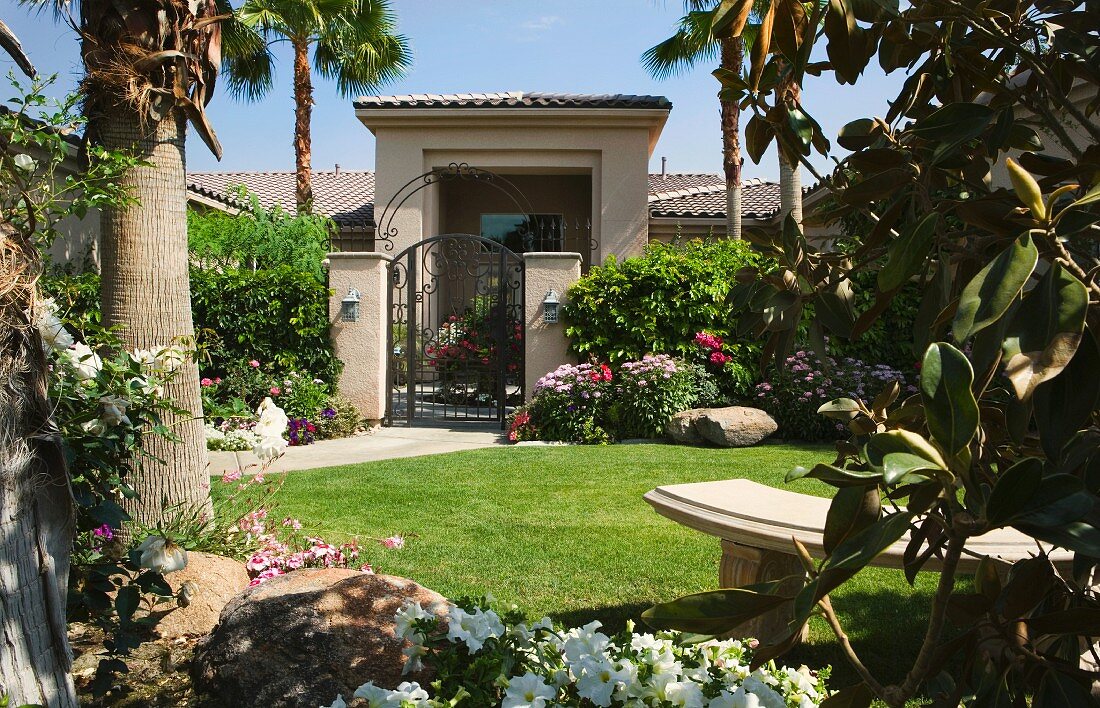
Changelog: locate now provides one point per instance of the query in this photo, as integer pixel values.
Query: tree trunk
(303, 110)
(146, 291)
(733, 56)
(790, 172)
(36, 512)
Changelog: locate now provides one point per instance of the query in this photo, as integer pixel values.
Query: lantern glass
(349, 306)
(550, 305)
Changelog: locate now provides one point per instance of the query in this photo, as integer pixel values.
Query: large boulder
(209, 583)
(681, 428)
(303, 638)
(735, 426)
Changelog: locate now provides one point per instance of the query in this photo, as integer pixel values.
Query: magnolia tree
(980, 183)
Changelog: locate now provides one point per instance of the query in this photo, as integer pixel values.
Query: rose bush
(488, 659)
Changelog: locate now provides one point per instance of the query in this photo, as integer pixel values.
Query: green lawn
(564, 531)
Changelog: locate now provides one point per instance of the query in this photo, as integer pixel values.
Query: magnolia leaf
(842, 409)
(852, 510)
(902, 441)
(1077, 536)
(901, 467)
(1057, 690)
(730, 18)
(859, 134)
(758, 54)
(908, 253)
(836, 476)
(950, 408)
(872, 189)
(1046, 331)
(1014, 487)
(992, 290)
(711, 612)
(954, 122)
(1063, 405)
(835, 308)
(758, 135)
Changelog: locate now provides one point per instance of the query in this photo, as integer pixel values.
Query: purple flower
(328, 413)
(105, 532)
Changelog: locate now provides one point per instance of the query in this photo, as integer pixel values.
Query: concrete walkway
(381, 444)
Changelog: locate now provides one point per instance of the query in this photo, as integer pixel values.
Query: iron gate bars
(456, 332)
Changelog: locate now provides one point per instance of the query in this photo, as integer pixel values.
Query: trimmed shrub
(277, 316)
(648, 393)
(656, 303)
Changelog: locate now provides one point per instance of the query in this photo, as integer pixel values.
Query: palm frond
(361, 50)
(692, 43)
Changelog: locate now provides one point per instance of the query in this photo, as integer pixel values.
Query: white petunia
(414, 662)
(802, 680)
(527, 691)
(338, 703)
(473, 628)
(599, 678)
(161, 555)
(757, 684)
(737, 699)
(584, 642)
(86, 363)
(684, 694)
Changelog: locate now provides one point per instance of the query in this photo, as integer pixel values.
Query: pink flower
(254, 364)
(218, 380)
(397, 542)
(230, 477)
(275, 390)
(206, 382)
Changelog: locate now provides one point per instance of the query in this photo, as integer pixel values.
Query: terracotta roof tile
(704, 196)
(515, 99)
(346, 197)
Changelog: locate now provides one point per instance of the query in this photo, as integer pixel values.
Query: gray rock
(303, 638)
(212, 581)
(681, 428)
(735, 426)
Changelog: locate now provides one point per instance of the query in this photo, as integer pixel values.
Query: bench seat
(758, 516)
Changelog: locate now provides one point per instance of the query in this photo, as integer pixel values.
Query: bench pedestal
(745, 565)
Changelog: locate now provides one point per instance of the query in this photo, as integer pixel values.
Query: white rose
(54, 335)
(86, 363)
(25, 162)
(169, 359)
(161, 555)
(114, 410)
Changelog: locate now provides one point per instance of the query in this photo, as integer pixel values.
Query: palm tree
(149, 69)
(696, 40)
(354, 42)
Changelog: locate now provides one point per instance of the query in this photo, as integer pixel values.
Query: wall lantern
(550, 305)
(349, 307)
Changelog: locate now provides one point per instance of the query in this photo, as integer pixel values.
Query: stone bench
(755, 524)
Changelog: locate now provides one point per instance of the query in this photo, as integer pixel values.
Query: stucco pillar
(361, 345)
(546, 347)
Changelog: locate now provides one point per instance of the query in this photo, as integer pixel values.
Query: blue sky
(576, 46)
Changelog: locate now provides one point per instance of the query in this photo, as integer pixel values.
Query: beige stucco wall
(613, 147)
(361, 345)
(546, 347)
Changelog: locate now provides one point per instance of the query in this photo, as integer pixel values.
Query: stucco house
(577, 163)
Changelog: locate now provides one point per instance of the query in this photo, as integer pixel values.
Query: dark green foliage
(278, 317)
(658, 302)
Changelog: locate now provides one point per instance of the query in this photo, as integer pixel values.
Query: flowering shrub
(732, 370)
(232, 435)
(570, 404)
(472, 338)
(301, 432)
(794, 397)
(648, 393)
(488, 659)
(338, 419)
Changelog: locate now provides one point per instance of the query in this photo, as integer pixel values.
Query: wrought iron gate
(456, 331)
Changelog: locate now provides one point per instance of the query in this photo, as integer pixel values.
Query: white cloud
(541, 24)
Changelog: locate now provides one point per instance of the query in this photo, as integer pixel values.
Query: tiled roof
(346, 197)
(704, 196)
(514, 99)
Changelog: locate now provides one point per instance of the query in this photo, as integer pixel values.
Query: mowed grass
(563, 531)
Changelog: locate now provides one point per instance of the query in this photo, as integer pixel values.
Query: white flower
(270, 429)
(269, 448)
(585, 642)
(769, 698)
(406, 694)
(114, 410)
(95, 427)
(527, 691)
(406, 617)
(473, 628)
(413, 654)
(54, 335)
(684, 694)
(144, 357)
(86, 363)
(25, 162)
(161, 555)
(599, 678)
(171, 358)
(737, 699)
(802, 680)
(338, 703)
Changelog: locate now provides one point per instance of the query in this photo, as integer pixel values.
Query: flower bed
(794, 397)
(591, 403)
(489, 659)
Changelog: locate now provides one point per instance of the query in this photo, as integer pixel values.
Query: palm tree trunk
(733, 57)
(303, 110)
(36, 512)
(146, 291)
(790, 173)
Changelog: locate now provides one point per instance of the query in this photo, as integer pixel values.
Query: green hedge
(278, 316)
